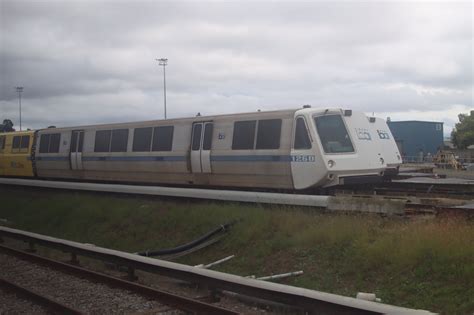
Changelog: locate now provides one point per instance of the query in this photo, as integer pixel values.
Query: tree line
(6, 126)
(462, 135)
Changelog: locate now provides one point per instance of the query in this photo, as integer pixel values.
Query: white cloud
(94, 61)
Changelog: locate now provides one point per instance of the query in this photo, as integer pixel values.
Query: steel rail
(310, 300)
(427, 190)
(173, 300)
(52, 305)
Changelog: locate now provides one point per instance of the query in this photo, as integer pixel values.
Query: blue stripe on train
(251, 158)
(216, 158)
(135, 158)
(114, 158)
(52, 158)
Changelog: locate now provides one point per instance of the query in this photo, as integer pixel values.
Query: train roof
(282, 112)
(414, 122)
(17, 133)
(176, 120)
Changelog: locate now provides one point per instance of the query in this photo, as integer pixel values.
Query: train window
(49, 143)
(197, 132)
(81, 141)
(16, 143)
(142, 139)
(333, 134)
(77, 141)
(54, 143)
(207, 141)
(25, 142)
(44, 143)
(268, 134)
(244, 135)
(73, 146)
(163, 138)
(102, 140)
(119, 140)
(2, 142)
(302, 140)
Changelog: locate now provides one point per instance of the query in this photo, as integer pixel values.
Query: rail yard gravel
(81, 294)
(10, 303)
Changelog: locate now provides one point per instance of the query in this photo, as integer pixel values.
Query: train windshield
(333, 134)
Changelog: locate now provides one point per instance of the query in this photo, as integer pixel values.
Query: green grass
(419, 263)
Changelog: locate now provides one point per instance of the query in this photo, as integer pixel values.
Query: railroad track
(172, 301)
(421, 205)
(411, 189)
(432, 191)
(45, 302)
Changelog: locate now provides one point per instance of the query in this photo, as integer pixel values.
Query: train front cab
(387, 146)
(333, 147)
(15, 154)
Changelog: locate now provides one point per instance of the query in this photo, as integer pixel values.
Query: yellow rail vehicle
(15, 154)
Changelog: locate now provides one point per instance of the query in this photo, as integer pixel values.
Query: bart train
(285, 149)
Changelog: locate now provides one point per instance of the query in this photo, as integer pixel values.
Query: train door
(77, 141)
(201, 140)
(306, 168)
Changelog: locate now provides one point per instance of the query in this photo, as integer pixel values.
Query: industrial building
(417, 140)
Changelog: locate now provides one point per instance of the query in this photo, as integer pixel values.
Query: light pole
(19, 89)
(163, 62)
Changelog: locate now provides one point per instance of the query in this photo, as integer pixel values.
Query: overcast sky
(84, 62)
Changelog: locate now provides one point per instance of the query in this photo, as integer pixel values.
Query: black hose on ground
(188, 246)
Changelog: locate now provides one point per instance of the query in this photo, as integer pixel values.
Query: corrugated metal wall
(417, 138)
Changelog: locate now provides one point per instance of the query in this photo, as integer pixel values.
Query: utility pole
(163, 62)
(19, 89)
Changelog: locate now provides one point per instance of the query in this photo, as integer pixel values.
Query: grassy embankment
(421, 263)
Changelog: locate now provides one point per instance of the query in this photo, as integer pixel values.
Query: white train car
(387, 147)
(285, 149)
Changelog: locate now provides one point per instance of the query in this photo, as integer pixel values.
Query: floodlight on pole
(163, 62)
(19, 89)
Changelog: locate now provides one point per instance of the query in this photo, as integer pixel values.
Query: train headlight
(382, 161)
(331, 163)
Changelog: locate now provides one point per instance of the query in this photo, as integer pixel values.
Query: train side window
(142, 139)
(25, 142)
(196, 142)
(16, 144)
(102, 140)
(302, 140)
(73, 146)
(2, 143)
(54, 143)
(81, 141)
(119, 140)
(244, 135)
(268, 134)
(44, 143)
(207, 141)
(163, 138)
